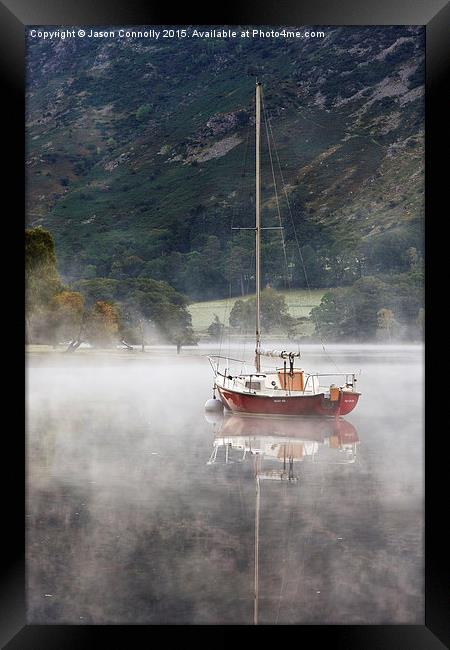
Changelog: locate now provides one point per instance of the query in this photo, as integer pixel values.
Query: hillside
(140, 154)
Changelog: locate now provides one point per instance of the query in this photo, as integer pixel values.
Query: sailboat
(280, 391)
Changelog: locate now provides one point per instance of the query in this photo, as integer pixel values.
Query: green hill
(300, 303)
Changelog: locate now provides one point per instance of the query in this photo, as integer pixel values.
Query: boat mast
(258, 231)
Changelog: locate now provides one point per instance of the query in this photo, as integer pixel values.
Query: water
(130, 521)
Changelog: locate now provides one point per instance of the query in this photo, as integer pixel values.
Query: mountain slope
(138, 152)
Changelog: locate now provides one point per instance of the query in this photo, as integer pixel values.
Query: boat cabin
(274, 382)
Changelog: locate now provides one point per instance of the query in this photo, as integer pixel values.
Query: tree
(143, 112)
(90, 271)
(176, 325)
(132, 265)
(242, 315)
(345, 258)
(117, 270)
(315, 271)
(274, 268)
(329, 316)
(203, 275)
(105, 289)
(215, 329)
(42, 281)
(420, 321)
(364, 299)
(351, 313)
(102, 325)
(412, 257)
(143, 303)
(386, 323)
(240, 260)
(387, 252)
(299, 328)
(274, 312)
(67, 315)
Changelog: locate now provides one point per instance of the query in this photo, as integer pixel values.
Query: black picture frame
(15, 15)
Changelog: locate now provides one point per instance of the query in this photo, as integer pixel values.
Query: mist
(128, 523)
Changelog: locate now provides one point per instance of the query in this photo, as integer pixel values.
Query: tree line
(142, 310)
(390, 308)
(217, 266)
(102, 311)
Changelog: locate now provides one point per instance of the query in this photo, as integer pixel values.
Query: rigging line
(299, 249)
(230, 271)
(222, 333)
(241, 186)
(276, 192)
(247, 326)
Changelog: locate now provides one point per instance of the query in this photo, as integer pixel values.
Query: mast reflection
(273, 446)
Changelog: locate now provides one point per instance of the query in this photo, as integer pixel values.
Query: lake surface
(139, 510)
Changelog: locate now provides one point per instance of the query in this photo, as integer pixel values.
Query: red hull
(289, 404)
(295, 428)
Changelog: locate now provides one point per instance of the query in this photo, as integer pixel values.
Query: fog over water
(127, 522)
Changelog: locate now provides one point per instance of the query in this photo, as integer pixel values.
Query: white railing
(313, 383)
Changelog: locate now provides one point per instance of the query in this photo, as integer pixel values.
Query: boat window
(254, 385)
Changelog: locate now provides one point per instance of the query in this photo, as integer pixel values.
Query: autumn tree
(42, 282)
(102, 324)
(66, 316)
(143, 306)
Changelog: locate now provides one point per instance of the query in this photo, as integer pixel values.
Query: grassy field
(300, 303)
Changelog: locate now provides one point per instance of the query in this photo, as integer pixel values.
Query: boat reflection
(274, 445)
(285, 440)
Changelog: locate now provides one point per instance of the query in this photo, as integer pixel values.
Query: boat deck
(267, 384)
